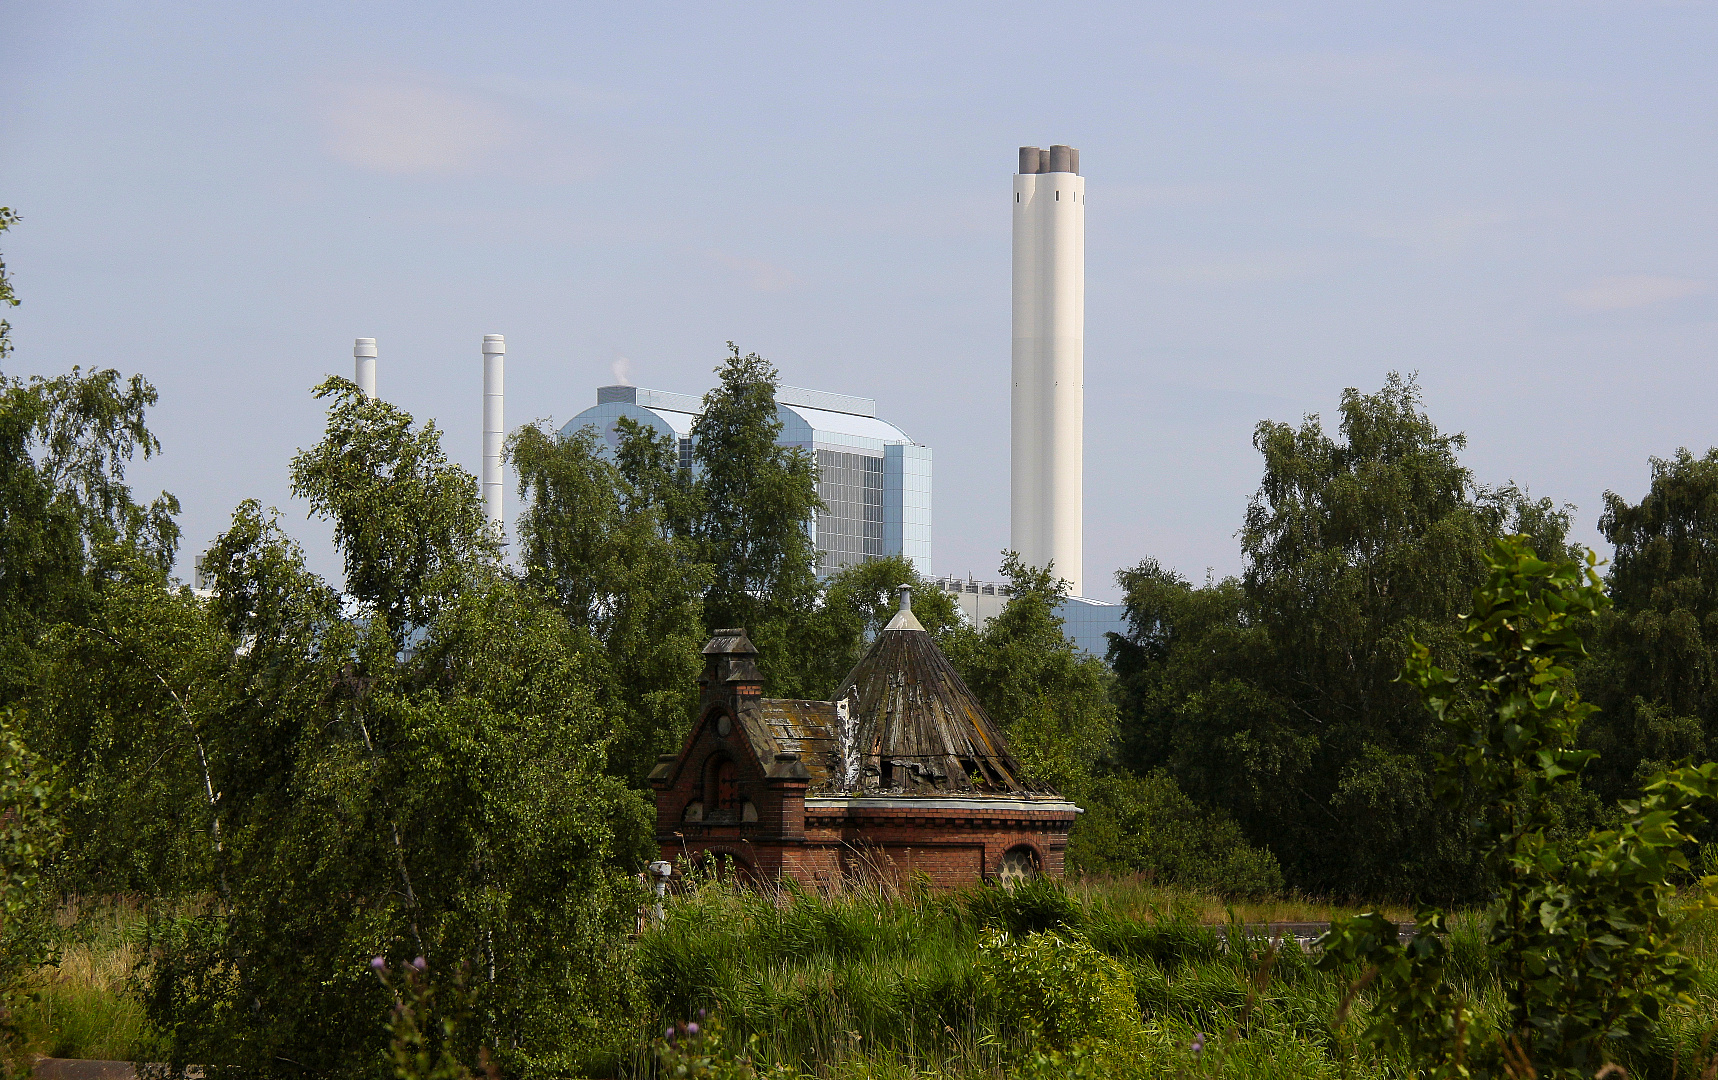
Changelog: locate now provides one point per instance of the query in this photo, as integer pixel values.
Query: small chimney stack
(494, 430)
(364, 365)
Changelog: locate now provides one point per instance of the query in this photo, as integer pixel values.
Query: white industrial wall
(907, 504)
(1088, 622)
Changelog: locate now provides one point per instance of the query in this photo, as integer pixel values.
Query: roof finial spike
(904, 618)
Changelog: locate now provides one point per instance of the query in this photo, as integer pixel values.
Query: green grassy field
(864, 983)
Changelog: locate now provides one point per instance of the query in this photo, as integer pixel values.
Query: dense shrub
(1148, 824)
(1058, 987)
(1584, 937)
(1028, 908)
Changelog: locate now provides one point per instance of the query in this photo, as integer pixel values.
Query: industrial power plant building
(874, 481)
(1086, 622)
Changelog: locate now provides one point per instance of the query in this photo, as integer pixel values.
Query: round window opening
(1018, 865)
(724, 726)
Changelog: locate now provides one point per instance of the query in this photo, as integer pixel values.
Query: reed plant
(84, 1005)
(872, 981)
(869, 981)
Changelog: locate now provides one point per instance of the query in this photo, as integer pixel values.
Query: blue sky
(1515, 200)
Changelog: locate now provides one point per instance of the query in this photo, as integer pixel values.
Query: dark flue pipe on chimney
(1056, 159)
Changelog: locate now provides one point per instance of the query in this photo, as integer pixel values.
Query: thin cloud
(1440, 234)
(406, 128)
(564, 94)
(1638, 291)
(1372, 74)
(757, 274)
(1140, 196)
(1244, 268)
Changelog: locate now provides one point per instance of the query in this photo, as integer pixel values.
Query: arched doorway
(1019, 864)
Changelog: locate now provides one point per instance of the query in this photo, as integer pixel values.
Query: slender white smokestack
(364, 365)
(494, 352)
(1048, 416)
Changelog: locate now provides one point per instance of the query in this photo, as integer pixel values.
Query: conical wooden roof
(914, 725)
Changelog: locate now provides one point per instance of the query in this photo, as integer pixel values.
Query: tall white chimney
(494, 353)
(1047, 426)
(364, 365)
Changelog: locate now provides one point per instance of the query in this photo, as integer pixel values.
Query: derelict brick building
(902, 774)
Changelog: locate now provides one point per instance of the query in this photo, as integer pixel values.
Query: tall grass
(1138, 898)
(869, 982)
(840, 982)
(83, 1007)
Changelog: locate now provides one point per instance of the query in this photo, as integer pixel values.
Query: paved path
(71, 1069)
(68, 1069)
(1305, 933)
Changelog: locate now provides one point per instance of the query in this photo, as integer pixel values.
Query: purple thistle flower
(692, 1028)
(378, 963)
(668, 1033)
(1198, 1046)
(702, 1013)
(420, 963)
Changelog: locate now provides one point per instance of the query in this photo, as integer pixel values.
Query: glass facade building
(850, 526)
(875, 482)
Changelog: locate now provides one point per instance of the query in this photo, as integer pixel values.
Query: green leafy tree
(425, 1023)
(29, 838)
(857, 601)
(450, 800)
(1654, 670)
(123, 707)
(1056, 705)
(288, 655)
(650, 464)
(1052, 700)
(862, 598)
(67, 515)
(1584, 933)
(407, 521)
(8, 298)
(745, 511)
(1276, 696)
(1187, 651)
(757, 501)
(1147, 825)
(601, 545)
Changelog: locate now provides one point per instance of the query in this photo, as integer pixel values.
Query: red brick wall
(686, 782)
(950, 847)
